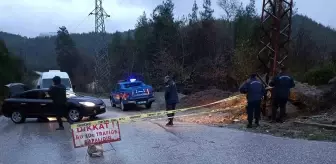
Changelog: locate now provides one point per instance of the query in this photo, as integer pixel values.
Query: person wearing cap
(171, 98)
(282, 83)
(254, 91)
(57, 93)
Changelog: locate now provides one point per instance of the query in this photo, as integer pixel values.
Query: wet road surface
(150, 142)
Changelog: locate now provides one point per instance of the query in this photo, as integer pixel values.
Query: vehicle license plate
(142, 102)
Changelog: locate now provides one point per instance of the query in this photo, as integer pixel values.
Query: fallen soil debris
(220, 113)
(203, 97)
(307, 118)
(216, 117)
(312, 127)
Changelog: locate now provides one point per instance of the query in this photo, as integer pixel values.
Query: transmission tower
(102, 64)
(276, 26)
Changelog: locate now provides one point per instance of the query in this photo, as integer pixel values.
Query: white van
(45, 80)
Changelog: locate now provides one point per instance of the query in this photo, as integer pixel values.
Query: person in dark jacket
(57, 93)
(282, 83)
(255, 91)
(171, 98)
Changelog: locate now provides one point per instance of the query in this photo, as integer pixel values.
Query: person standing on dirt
(57, 93)
(171, 98)
(255, 91)
(282, 83)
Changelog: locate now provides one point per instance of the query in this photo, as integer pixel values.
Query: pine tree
(250, 9)
(11, 67)
(68, 58)
(207, 13)
(193, 17)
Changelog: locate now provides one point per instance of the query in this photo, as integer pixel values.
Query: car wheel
(149, 105)
(18, 117)
(74, 115)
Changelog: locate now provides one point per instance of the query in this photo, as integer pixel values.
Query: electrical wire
(80, 23)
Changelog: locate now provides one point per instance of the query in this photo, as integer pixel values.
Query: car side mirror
(38, 87)
(73, 86)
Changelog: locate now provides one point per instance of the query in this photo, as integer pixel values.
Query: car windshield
(136, 84)
(46, 83)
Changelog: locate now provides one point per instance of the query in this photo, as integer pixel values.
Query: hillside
(320, 33)
(41, 49)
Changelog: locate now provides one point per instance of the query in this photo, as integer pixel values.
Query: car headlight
(89, 104)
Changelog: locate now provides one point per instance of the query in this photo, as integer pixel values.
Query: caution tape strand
(193, 114)
(156, 114)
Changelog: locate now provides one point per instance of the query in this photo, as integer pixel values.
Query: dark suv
(36, 103)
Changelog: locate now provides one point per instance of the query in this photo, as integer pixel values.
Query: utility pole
(276, 26)
(102, 64)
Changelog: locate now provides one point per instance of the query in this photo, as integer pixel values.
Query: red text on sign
(92, 127)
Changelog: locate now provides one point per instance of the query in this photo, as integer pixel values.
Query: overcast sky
(33, 17)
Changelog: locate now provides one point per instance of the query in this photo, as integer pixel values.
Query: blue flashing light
(132, 80)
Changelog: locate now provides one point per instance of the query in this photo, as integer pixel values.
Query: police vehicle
(132, 92)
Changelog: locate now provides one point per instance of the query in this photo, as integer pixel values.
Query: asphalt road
(150, 142)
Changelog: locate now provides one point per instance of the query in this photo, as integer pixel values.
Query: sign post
(95, 133)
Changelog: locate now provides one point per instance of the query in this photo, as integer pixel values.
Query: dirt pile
(312, 98)
(222, 113)
(309, 96)
(219, 116)
(308, 101)
(203, 97)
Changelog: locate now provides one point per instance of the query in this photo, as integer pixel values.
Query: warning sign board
(95, 132)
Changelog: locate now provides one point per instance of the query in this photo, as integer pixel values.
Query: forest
(198, 50)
